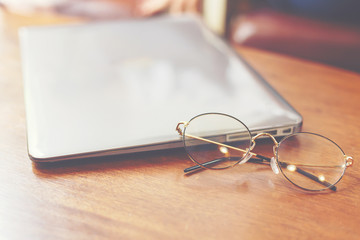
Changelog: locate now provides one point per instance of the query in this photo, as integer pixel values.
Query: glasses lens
(311, 161)
(216, 141)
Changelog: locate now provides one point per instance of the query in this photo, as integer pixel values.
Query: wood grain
(146, 195)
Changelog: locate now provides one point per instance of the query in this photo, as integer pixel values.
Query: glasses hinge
(349, 161)
(178, 129)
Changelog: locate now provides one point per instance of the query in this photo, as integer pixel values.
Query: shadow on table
(170, 159)
(173, 162)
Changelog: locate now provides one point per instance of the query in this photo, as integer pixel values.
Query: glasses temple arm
(205, 164)
(302, 172)
(262, 160)
(196, 167)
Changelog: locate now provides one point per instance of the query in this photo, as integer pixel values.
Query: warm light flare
(291, 168)
(224, 150)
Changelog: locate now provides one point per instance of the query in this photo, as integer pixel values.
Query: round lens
(311, 161)
(216, 140)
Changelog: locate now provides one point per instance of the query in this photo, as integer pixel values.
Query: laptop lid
(119, 87)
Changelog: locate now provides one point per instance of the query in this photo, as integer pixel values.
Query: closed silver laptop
(119, 87)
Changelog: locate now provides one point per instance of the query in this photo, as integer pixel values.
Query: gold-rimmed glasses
(308, 160)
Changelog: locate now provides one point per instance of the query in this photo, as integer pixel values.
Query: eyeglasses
(218, 141)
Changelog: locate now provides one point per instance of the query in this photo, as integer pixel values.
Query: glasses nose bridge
(276, 144)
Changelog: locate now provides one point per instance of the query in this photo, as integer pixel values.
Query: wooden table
(147, 196)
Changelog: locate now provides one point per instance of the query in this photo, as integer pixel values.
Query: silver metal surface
(118, 87)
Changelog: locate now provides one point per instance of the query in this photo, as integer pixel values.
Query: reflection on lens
(216, 140)
(311, 161)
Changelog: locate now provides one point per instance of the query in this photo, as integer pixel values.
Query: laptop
(107, 88)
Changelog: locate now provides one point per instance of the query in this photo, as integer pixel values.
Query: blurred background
(324, 31)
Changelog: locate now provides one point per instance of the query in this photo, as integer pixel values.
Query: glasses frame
(248, 154)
